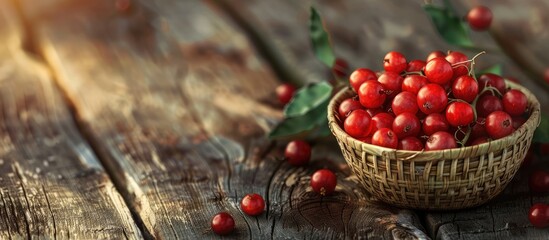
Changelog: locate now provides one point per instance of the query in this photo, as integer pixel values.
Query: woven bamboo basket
(436, 180)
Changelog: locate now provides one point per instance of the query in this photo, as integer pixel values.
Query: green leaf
(449, 26)
(320, 39)
(308, 98)
(302, 123)
(541, 135)
(496, 69)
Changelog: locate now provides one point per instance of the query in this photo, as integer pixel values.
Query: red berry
(412, 83)
(324, 182)
(457, 60)
(385, 137)
(487, 104)
(394, 62)
(440, 141)
(371, 94)
(340, 67)
(382, 120)
(435, 122)
(252, 204)
(410, 144)
(435, 54)
(374, 111)
(365, 139)
(479, 129)
(514, 102)
(465, 88)
(347, 106)
(392, 83)
(415, 66)
(539, 215)
(499, 124)
(285, 92)
(404, 102)
(298, 153)
(479, 18)
(479, 140)
(431, 98)
(493, 80)
(358, 124)
(439, 71)
(460, 114)
(406, 125)
(222, 223)
(518, 121)
(361, 75)
(539, 181)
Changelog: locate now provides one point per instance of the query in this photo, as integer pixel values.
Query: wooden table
(147, 122)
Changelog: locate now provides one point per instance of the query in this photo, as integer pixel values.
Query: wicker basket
(436, 180)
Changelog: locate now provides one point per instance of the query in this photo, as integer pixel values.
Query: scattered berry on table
(324, 182)
(252, 204)
(298, 153)
(539, 215)
(285, 92)
(480, 18)
(222, 223)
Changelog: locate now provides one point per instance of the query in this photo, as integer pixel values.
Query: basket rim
(531, 124)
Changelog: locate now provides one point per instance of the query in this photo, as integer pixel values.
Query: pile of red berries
(430, 105)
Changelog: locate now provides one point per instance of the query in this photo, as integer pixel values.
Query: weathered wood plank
(51, 184)
(177, 103)
(363, 36)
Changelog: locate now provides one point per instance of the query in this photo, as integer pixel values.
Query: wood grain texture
(363, 31)
(51, 184)
(177, 104)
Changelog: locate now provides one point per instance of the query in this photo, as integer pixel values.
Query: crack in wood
(22, 181)
(51, 212)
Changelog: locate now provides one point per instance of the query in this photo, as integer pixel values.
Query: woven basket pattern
(436, 180)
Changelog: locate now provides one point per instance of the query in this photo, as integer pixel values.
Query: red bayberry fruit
(539, 181)
(514, 102)
(435, 122)
(460, 114)
(499, 124)
(285, 92)
(404, 102)
(371, 94)
(465, 88)
(410, 144)
(412, 83)
(374, 111)
(440, 141)
(366, 139)
(340, 67)
(493, 80)
(324, 182)
(458, 62)
(358, 124)
(487, 104)
(394, 62)
(392, 83)
(347, 106)
(406, 124)
(539, 215)
(415, 66)
(518, 121)
(478, 129)
(439, 71)
(382, 120)
(479, 140)
(479, 18)
(431, 98)
(222, 223)
(361, 75)
(298, 153)
(252, 204)
(385, 137)
(435, 54)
